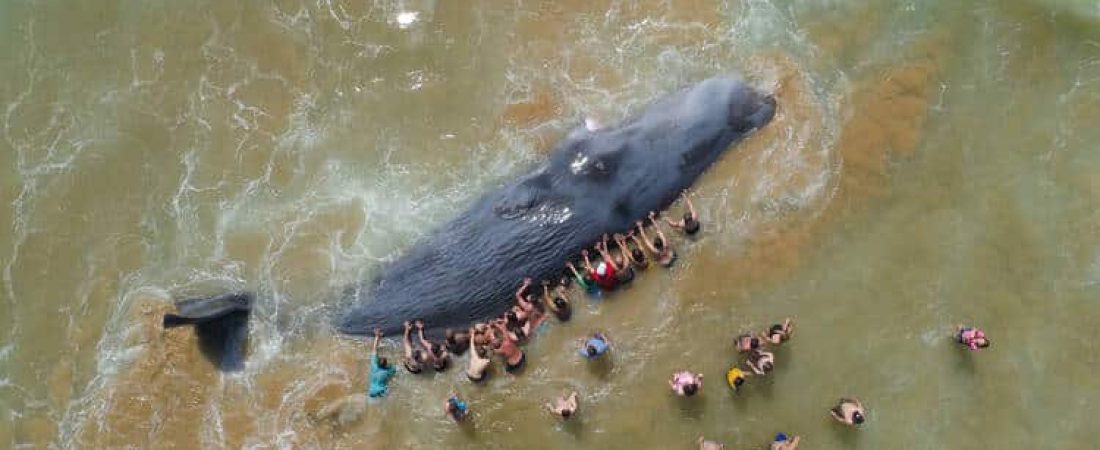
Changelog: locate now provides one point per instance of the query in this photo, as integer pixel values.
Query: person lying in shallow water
(746, 343)
(736, 377)
(660, 246)
(564, 406)
(709, 445)
(761, 362)
(414, 357)
(848, 411)
(558, 303)
(689, 224)
(971, 338)
(686, 384)
(436, 354)
(380, 369)
(778, 333)
(782, 442)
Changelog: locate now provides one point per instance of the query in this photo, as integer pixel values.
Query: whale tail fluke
(172, 320)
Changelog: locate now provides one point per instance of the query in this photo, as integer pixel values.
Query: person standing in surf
(380, 370)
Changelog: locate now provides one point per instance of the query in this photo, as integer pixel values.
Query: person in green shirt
(583, 280)
(380, 370)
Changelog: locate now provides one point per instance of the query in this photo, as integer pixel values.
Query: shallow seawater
(932, 163)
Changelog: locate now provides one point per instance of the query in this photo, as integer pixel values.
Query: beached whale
(594, 182)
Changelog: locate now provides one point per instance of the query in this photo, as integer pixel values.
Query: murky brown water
(932, 163)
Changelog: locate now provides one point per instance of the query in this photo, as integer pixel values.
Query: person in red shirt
(603, 273)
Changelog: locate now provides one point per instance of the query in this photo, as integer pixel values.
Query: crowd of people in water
(615, 266)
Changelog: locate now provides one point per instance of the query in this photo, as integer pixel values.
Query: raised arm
(657, 227)
(624, 249)
(691, 208)
(587, 263)
(420, 333)
(602, 248)
(645, 239)
(573, 268)
(408, 341)
(377, 337)
(522, 290)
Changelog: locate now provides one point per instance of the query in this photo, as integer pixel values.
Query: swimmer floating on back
(761, 362)
(848, 411)
(746, 343)
(782, 442)
(736, 377)
(972, 338)
(778, 333)
(686, 384)
(564, 406)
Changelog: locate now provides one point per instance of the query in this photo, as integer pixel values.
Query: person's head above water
(857, 417)
(383, 362)
(560, 302)
(691, 388)
(637, 254)
(565, 413)
(658, 243)
(591, 350)
(601, 269)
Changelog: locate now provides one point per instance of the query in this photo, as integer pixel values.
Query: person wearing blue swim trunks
(456, 408)
(595, 346)
(782, 442)
(380, 370)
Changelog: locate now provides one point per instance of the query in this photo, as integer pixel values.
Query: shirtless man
(782, 442)
(414, 357)
(633, 256)
(848, 411)
(557, 303)
(778, 333)
(660, 246)
(746, 343)
(479, 363)
(436, 354)
(564, 407)
(508, 348)
(690, 223)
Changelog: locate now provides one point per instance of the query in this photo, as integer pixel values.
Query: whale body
(593, 182)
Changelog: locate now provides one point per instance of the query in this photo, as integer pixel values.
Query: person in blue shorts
(782, 442)
(380, 370)
(595, 346)
(456, 408)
